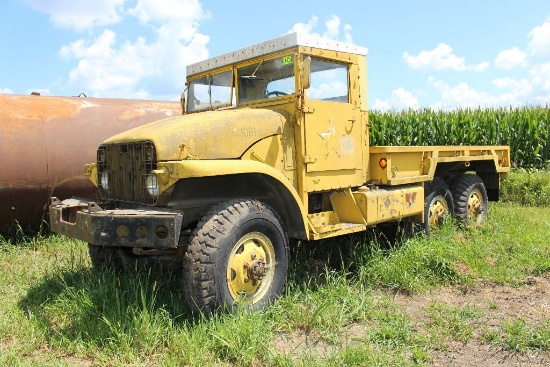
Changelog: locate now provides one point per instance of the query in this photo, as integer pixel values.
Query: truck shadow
(78, 302)
(311, 261)
(82, 303)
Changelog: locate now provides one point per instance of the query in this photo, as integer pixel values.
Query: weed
(519, 336)
(527, 187)
(454, 323)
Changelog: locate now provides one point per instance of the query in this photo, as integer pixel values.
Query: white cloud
(541, 77)
(108, 66)
(347, 34)
(106, 69)
(332, 28)
(482, 66)
(403, 98)
(102, 47)
(80, 15)
(521, 88)
(177, 16)
(538, 62)
(306, 27)
(6, 91)
(539, 46)
(510, 58)
(400, 99)
(161, 11)
(381, 105)
(461, 95)
(440, 58)
(464, 96)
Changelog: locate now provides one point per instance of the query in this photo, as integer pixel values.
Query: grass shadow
(104, 307)
(74, 303)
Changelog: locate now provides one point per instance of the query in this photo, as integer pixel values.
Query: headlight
(104, 181)
(152, 184)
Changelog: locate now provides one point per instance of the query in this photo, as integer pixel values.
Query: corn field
(525, 129)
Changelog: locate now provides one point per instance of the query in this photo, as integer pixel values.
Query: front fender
(175, 171)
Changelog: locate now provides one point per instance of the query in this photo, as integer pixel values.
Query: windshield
(210, 92)
(266, 79)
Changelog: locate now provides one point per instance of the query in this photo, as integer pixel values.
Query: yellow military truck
(273, 146)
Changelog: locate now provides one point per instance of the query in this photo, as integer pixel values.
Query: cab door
(333, 128)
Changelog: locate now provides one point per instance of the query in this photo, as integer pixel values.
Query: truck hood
(222, 134)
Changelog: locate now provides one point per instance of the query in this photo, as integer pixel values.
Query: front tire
(238, 254)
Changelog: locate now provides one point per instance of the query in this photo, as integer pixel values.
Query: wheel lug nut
(245, 265)
(253, 256)
(246, 279)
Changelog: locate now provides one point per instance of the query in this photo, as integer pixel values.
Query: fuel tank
(46, 141)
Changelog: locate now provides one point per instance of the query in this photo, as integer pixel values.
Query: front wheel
(238, 254)
(470, 199)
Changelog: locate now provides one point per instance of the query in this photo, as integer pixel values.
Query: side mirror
(182, 102)
(305, 73)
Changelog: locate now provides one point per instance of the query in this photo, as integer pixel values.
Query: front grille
(127, 166)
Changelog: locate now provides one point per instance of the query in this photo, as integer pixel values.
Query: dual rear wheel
(466, 200)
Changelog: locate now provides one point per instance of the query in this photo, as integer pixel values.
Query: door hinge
(309, 159)
(307, 109)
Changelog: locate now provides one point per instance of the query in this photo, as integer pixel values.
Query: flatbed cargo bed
(414, 164)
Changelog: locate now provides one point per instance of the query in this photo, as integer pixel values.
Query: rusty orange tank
(46, 141)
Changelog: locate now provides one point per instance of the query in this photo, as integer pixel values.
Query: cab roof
(274, 45)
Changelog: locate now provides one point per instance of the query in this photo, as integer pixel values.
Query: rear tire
(238, 254)
(438, 204)
(470, 200)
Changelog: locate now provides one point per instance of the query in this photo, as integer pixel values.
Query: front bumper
(87, 221)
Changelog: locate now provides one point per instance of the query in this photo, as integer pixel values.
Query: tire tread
(199, 261)
(461, 189)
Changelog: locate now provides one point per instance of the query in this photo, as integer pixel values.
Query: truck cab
(319, 88)
(272, 146)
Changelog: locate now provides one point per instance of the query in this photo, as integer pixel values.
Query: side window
(329, 81)
(220, 89)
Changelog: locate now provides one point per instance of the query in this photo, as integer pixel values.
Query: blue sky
(423, 53)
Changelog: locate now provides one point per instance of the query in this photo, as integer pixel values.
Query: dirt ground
(498, 304)
(495, 304)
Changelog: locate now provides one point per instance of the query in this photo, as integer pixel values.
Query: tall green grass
(338, 308)
(525, 129)
(527, 187)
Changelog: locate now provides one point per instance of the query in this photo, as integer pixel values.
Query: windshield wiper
(253, 75)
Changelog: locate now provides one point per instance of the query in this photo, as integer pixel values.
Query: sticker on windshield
(287, 60)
